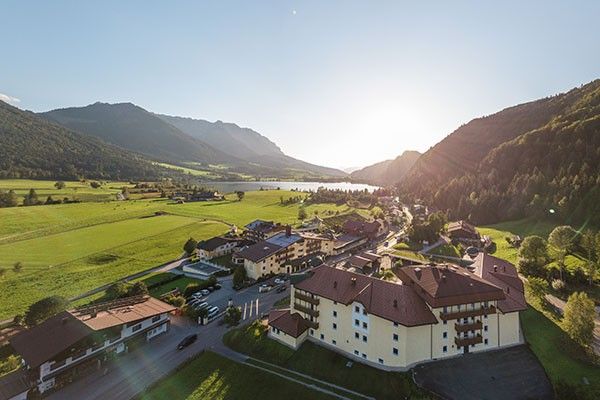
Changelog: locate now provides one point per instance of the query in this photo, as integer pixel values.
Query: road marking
(250, 316)
(257, 307)
(244, 311)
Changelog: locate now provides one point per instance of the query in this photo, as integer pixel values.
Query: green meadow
(68, 249)
(74, 189)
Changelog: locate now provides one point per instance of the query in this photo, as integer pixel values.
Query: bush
(190, 246)
(95, 185)
(558, 285)
(177, 301)
(233, 315)
(192, 288)
(239, 276)
(41, 310)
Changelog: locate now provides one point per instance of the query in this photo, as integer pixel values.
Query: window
(485, 316)
(334, 326)
(334, 342)
(156, 318)
(445, 349)
(356, 352)
(335, 303)
(445, 335)
(485, 341)
(356, 309)
(364, 325)
(395, 324)
(364, 311)
(395, 351)
(364, 356)
(381, 361)
(445, 322)
(445, 309)
(395, 337)
(356, 322)
(485, 328)
(356, 335)
(335, 313)
(364, 338)
(312, 332)
(322, 337)
(136, 328)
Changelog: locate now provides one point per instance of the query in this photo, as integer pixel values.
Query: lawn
(68, 249)
(180, 283)
(447, 250)
(323, 364)
(73, 190)
(210, 376)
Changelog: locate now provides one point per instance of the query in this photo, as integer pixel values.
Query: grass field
(69, 249)
(324, 364)
(73, 190)
(210, 376)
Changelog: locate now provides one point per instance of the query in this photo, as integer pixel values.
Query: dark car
(217, 286)
(281, 288)
(187, 341)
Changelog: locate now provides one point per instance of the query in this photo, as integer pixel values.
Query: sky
(336, 83)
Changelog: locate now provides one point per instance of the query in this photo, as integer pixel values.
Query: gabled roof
(292, 324)
(461, 225)
(391, 301)
(50, 338)
(504, 275)
(213, 243)
(446, 285)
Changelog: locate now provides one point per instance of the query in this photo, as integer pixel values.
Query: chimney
(334, 284)
(353, 280)
(495, 268)
(443, 278)
(288, 230)
(395, 303)
(418, 272)
(507, 289)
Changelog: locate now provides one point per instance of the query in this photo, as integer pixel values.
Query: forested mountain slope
(33, 147)
(387, 172)
(553, 163)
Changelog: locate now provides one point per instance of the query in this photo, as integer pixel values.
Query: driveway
(130, 374)
(513, 373)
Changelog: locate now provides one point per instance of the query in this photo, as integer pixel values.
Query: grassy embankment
(562, 359)
(68, 249)
(210, 376)
(323, 364)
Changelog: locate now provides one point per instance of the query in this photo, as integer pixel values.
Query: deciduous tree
(48, 307)
(578, 319)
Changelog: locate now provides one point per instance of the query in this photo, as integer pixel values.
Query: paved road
(133, 372)
(560, 305)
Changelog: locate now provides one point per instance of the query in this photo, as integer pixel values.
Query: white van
(212, 312)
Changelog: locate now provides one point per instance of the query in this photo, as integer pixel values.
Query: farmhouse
(462, 230)
(369, 229)
(437, 311)
(72, 341)
(219, 246)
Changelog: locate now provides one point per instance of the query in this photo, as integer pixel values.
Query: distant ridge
(387, 172)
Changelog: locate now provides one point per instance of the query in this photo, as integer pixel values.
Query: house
(369, 229)
(345, 242)
(437, 311)
(311, 225)
(462, 230)
(219, 246)
(259, 229)
(277, 253)
(365, 262)
(71, 341)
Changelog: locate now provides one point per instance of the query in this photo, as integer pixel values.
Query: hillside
(519, 162)
(264, 156)
(133, 128)
(387, 172)
(32, 147)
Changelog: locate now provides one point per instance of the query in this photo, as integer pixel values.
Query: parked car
(193, 302)
(210, 289)
(264, 288)
(218, 286)
(212, 312)
(281, 288)
(205, 292)
(278, 281)
(187, 341)
(200, 306)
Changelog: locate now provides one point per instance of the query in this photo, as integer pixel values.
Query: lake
(228, 187)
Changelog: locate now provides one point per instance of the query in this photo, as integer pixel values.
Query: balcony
(304, 297)
(468, 341)
(473, 326)
(306, 310)
(312, 324)
(468, 313)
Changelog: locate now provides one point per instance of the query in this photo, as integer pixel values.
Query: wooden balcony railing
(468, 313)
(304, 297)
(473, 326)
(460, 342)
(306, 310)
(312, 324)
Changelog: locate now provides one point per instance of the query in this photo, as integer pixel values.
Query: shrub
(233, 315)
(190, 246)
(558, 285)
(41, 310)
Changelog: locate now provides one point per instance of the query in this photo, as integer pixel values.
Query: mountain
(248, 145)
(33, 147)
(222, 147)
(520, 162)
(387, 172)
(133, 128)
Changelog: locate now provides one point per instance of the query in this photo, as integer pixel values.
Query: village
(381, 290)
